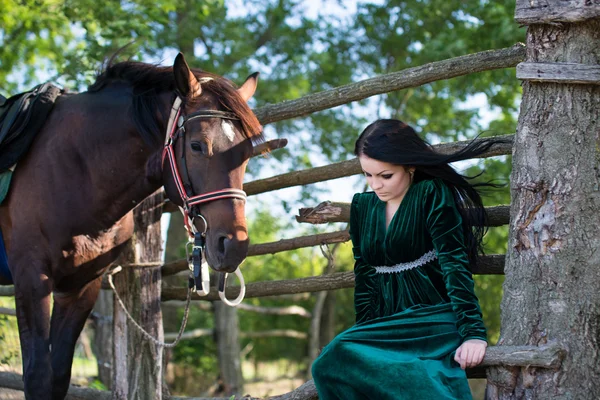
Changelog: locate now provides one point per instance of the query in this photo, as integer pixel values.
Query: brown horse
(101, 152)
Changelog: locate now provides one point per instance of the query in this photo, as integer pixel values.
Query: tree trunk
(327, 331)
(103, 336)
(314, 342)
(137, 372)
(228, 350)
(551, 292)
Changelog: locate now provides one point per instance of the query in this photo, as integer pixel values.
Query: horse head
(210, 140)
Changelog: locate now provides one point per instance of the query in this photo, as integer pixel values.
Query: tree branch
(492, 264)
(352, 167)
(410, 77)
(328, 211)
(546, 356)
(7, 291)
(197, 333)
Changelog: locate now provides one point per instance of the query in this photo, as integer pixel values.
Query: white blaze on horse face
(227, 127)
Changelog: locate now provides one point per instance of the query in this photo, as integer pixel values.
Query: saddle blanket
(4, 271)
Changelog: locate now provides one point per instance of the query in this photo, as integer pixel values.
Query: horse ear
(249, 87)
(185, 81)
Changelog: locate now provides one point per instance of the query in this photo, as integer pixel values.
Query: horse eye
(197, 146)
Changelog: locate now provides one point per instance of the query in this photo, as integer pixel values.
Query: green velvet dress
(414, 303)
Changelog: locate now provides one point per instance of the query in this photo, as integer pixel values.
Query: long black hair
(394, 142)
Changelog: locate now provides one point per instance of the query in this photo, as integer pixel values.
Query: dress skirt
(405, 356)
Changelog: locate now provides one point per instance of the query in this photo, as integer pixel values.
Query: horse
(68, 213)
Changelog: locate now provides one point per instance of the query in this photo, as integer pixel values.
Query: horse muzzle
(225, 252)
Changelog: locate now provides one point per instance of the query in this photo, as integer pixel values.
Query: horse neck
(126, 168)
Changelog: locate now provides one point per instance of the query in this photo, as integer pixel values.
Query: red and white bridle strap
(175, 124)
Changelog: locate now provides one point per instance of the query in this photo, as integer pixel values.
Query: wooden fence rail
(404, 79)
(8, 311)
(328, 211)
(492, 264)
(197, 333)
(7, 291)
(547, 356)
(352, 167)
(174, 267)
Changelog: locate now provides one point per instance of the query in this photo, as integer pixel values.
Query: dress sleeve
(362, 294)
(444, 224)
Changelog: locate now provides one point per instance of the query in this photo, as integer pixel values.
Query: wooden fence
(142, 289)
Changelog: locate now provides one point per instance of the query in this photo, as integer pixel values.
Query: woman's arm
(444, 224)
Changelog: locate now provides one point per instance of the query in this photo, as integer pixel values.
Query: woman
(418, 321)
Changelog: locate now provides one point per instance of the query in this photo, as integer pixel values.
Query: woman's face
(390, 182)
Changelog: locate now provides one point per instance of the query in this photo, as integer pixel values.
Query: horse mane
(148, 81)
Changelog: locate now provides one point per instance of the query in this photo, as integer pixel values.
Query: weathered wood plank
(352, 167)
(7, 291)
(491, 264)
(10, 380)
(529, 12)
(197, 333)
(546, 356)
(327, 212)
(137, 362)
(8, 311)
(407, 78)
(291, 244)
(273, 247)
(587, 74)
(269, 146)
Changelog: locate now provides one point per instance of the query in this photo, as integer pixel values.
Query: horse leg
(32, 297)
(69, 314)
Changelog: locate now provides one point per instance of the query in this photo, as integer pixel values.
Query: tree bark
(103, 336)
(553, 11)
(407, 78)
(327, 332)
(315, 322)
(227, 336)
(137, 372)
(492, 264)
(328, 211)
(553, 263)
(352, 167)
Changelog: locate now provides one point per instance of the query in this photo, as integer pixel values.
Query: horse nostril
(222, 243)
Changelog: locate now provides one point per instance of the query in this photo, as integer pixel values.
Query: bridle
(182, 180)
(199, 281)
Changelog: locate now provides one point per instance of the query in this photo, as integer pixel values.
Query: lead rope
(138, 326)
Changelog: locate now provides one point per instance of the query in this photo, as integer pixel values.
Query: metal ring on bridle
(223, 284)
(205, 222)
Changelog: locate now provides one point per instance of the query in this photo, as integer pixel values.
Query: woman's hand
(470, 353)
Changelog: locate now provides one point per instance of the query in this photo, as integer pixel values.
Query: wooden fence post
(137, 366)
(227, 337)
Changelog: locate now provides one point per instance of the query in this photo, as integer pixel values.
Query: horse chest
(98, 250)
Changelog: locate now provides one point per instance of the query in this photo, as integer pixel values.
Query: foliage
(9, 336)
(96, 384)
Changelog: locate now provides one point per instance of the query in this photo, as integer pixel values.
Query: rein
(199, 276)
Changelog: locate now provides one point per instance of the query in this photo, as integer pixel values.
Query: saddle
(21, 117)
